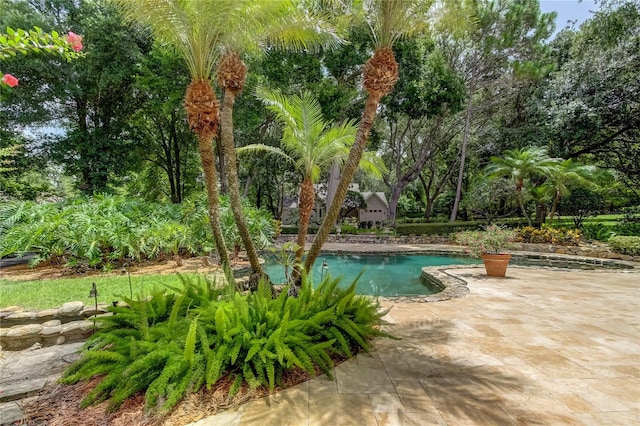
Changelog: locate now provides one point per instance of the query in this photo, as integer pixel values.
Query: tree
(193, 29)
(309, 142)
(504, 38)
(426, 93)
(248, 24)
(581, 204)
(566, 174)
(389, 20)
(522, 164)
(165, 145)
(591, 104)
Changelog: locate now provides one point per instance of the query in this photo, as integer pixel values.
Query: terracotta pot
(496, 264)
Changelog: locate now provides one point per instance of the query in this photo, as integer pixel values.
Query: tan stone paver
(540, 347)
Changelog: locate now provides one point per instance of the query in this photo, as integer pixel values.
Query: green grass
(52, 293)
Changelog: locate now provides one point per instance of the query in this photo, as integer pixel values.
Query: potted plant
(489, 245)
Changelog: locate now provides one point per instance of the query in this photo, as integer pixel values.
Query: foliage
(446, 228)
(597, 231)
(548, 235)
(490, 199)
(581, 204)
(167, 345)
(104, 229)
(625, 245)
(492, 240)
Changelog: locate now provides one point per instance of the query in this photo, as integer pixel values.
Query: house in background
(375, 212)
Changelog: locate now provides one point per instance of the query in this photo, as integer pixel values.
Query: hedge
(449, 228)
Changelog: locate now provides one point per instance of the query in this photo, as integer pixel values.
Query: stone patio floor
(540, 347)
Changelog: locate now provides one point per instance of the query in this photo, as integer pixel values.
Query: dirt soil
(202, 264)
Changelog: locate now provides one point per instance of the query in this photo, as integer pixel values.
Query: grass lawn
(45, 294)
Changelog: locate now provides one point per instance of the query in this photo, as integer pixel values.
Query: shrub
(170, 344)
(598, 231)
(625, 245)
(446, 228)
(104, 229)
(492, 240)
(548, 235)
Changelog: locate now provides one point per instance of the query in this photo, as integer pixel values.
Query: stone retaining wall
(596, 250)
(20, 329)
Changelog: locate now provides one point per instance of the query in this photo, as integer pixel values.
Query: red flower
(9, 80)
(75, 41)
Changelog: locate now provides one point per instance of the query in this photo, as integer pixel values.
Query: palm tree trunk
(209, 167)
(522, 208)
(202, 108)
(554, 206)
(348, 172)
(305, 207)
(228, 147)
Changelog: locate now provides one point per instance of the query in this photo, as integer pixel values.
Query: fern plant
(168, 344)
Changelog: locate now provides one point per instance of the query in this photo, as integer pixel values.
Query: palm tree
(389, 20)
(521, 164)
(568, 172)
(249, 25)
(311, 144)
(193, 28)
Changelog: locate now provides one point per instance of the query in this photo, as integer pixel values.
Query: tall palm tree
(522, 164)
(249, 26)
(193, 28)
(389, 20)
(311, 144)
(567, 173)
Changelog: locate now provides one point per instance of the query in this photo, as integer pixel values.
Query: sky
(569, 10)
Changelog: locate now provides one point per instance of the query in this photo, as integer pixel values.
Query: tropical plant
(522, 164)
(569, 173)
(104, 230)
(194, 29)
(248, 25)
(169, 344)
(492, 240)
(389, 20)
(309, 142)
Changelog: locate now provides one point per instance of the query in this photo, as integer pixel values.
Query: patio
(538, 347)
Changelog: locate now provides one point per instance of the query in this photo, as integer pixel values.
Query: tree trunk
(222, 164)
(306, 200)
(348, 172)
(228, 148)
(396, 191)
(465, 142)
(522, 208)
(554, 206)
(209, 166)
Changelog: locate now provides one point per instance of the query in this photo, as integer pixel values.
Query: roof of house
(380, 195)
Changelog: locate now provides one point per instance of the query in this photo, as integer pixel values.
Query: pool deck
(541, 346)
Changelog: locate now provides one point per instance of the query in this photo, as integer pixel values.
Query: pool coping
(453, 287)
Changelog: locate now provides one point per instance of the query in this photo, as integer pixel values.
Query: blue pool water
(383, 275)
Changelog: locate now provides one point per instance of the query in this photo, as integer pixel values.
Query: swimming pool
(397, 275)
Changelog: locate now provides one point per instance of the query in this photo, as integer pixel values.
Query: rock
(10, 413)
(47, 313)
(35, 346)
(51, 323)
(51, 330)
(77, 327)
(71, 308)
(24, 330)
(560, 250)
(21, 316)
(12, 309)
(90, 311)
(627, 257)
